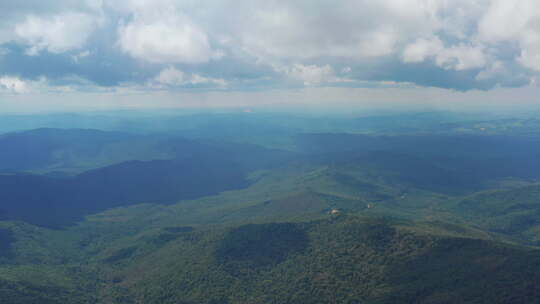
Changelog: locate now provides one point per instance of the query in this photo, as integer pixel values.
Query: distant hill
(56, 202)
(452, 164)
(73, 150)
(513, 212)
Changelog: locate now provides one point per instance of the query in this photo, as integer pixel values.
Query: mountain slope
(57, 202)
(513, 212)
(41, 149)
(343, 259)
(454, 165)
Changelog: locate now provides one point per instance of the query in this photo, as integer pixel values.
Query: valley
(341, 218)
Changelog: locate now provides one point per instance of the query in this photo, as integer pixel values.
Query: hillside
(72, 150)
(338, 259)
(512, 212)
(56, 202)
(382, 219)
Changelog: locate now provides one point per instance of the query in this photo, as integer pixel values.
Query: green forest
(333, 218)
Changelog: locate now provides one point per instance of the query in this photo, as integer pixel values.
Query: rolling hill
(344, 219)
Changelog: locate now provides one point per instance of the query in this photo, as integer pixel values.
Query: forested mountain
(90, 216)
(340, 259)
(73, 149)
(55, 202)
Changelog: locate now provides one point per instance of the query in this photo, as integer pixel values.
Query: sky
(105, 54)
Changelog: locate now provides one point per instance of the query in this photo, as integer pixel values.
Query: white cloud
(13, 85)
(461, 57)
(307, 42)
(378, 43)
(96, 5)
(311, 75)
(457, 57)
(56, 34)
(530, 48)
(422, 49)
(303, 30)
(514, 21)
(81, 55)
(198, 79)
(505, 20)
(173, 77)
(165, 36)
(496, 69)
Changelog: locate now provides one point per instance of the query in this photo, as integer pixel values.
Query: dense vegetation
(56, 202)
(6, 239)
(445, 216)
(447, 164)
(340, 259)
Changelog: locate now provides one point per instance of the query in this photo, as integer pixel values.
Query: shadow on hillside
(259, 246)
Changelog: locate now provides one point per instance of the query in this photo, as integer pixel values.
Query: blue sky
(96, 54)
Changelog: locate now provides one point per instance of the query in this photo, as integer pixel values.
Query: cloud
(238, 45)
(514, 21)
(81, 55)
(13, 85)
(461, 57)
(165, 36)
(302, 30)
(506, 20)
(311, 75)
(421, 49)
(57, 34)
(378, 43)
(171, 76)
(530, 50)
(457, 57)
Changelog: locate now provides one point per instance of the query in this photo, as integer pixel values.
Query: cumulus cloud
(461, 57)
(239, 45)
(56, 34)
(81, 55)
(300, 29)
(13, 85)
(458, 57)
(378, 43)
(506, 20)
(165, 36)
(530, 50)
(421, 49)
(171, 76)
(311, 75)
(496, 69)
(514, 21)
